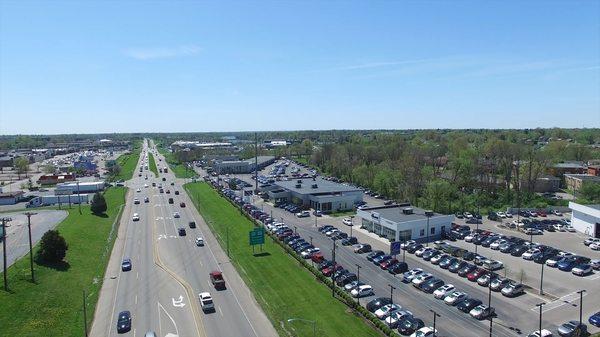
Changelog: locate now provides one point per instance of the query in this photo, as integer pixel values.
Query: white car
(408, 243)
(595, 246)
(492, 264)
(136, 201)
(176, 215)
(145, 185)
(411, 274)
(437, 258)
(501, 215)
(570, 228)
(508, 215)
(309, 252)
(396, 317)
(362, 291)
(206, 302)
(557, 213)
(544, 333)
(136, 217)
(528, 255)
(582, 270)
(481, 311)
(455, 298)
(199, 241)
(303, 214)
(468, 215)
(470, 237)
(589, 241)
(422, 251)
(386, 310)
(417, 281)
(138, 190)
(347, 221)
(496, 244)
(424, 332)
(443, 291)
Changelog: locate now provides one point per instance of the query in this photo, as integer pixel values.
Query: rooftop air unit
(314, 186)
(407, 210)
(299, 181)
(298, 185)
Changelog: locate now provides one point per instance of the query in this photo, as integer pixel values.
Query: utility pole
(255, 163)
(392, 298)
(540, 305)
(490, 298)
(78, 197)
(29, 214)
(358, 281)
(435, 314)
(4, 221)
(542, 281)
(580, 292)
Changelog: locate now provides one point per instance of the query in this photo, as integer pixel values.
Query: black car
(124, 322)
(469, 256)
(468, 304)
(377, 303)
(468, 268)
(365, 248)
(545, 256)
(398, 268)
(182, 232)
(430, 253)
(345, 279)
(349, 241)
(507, 247)
(519, 250)
(456, 266)
(479, 239)
(447, 262)
(325, 264)
(409, 325)
(413, 248)
(325, 228)
(487, 242)
(431, 285)
(374, 254)
(192, 224)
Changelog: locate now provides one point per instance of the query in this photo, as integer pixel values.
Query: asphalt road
(515, 316)
(161, 290)
(17, 242)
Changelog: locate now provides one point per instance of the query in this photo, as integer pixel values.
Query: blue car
(595, 319)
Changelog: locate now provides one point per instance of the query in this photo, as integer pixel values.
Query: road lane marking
(221, 311)
(136, 299)
(178, 303)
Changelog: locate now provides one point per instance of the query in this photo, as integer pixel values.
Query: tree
(49, 169)
(590, 192)
(53, 247)
(21, 165)
(98, 205)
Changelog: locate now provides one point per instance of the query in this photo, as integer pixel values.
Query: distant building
(319, 194)
(586, 219)
(560, 169)
(275, 143)
(593, 170)
(10, 198)
(404, 222)
(182, 144)
(242, 166)
(574, 182)
(543, 184)
(50, 179)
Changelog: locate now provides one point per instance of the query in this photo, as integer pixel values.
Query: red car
(388, 264)
(542, 213)
(473, 276)
(216, 278)
(330, 270)
(317, 257)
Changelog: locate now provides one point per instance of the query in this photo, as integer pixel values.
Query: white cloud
(162, 52)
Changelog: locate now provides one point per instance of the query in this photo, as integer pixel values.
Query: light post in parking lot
(391, 298)
(580, 292)
(435, 314)
(358, 281)
(295, 229)
(490, 296)
(542, 281)
(540, 326)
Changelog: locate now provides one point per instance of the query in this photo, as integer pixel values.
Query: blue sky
(169, 66)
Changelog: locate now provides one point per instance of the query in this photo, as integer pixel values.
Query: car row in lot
(530, 251)
(483, 274)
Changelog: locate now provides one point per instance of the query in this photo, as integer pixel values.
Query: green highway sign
(257, 236)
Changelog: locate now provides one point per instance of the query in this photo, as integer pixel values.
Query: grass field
(152, 163)
(179, 169)
(127, 162)
(53, 305)
(282, 287)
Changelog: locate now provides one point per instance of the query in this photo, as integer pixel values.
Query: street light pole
(542, 281)
(358, 281)
(4, 221)
(391, 298)
(435, 314)
(540, 326)
(580, 292)
(29, 214)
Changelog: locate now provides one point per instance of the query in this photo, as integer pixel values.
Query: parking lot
(514, 315)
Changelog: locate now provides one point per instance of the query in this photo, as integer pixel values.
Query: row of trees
(450, 171)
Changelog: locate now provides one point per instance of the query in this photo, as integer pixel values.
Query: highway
(169, 270)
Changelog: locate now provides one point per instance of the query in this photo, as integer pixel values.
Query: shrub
(53, 247)
(98, 205)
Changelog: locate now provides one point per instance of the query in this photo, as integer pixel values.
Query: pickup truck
(216, 278)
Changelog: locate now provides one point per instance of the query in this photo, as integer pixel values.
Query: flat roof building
(586, 219)
(317, 193)
(575, 182)
(404, 222)
(242, 166)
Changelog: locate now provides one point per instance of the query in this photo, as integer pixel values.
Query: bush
(53, 247)
(98, 205)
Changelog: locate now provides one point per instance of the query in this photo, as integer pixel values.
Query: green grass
(152, 163)
(342, 213)
(179, 169)
(283, 288)
(53, 305)
(127, 162)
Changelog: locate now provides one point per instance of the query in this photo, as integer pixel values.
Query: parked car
(362, 248)
(499, 283)
(411, 274)
(395, 317)
(469, 304)
(377, 303)
(431, 285)
(443, 291)
(542, 333)
(455, 298)
(595, 319)
(386, 310)
(572, 328)
(513, 289)
(482, 312)
(398, 268)
(374, 254)
(409, 325)
(582, 270)
(347, 221)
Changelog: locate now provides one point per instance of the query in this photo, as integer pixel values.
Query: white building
(404, 222)
(586, 219)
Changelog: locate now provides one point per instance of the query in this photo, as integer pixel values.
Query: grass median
(180, 170)
(283, 288)
(152, 164)
(53, 305)
(127, 162)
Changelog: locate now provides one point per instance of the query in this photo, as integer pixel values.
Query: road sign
(395, 247)
(257, 236)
